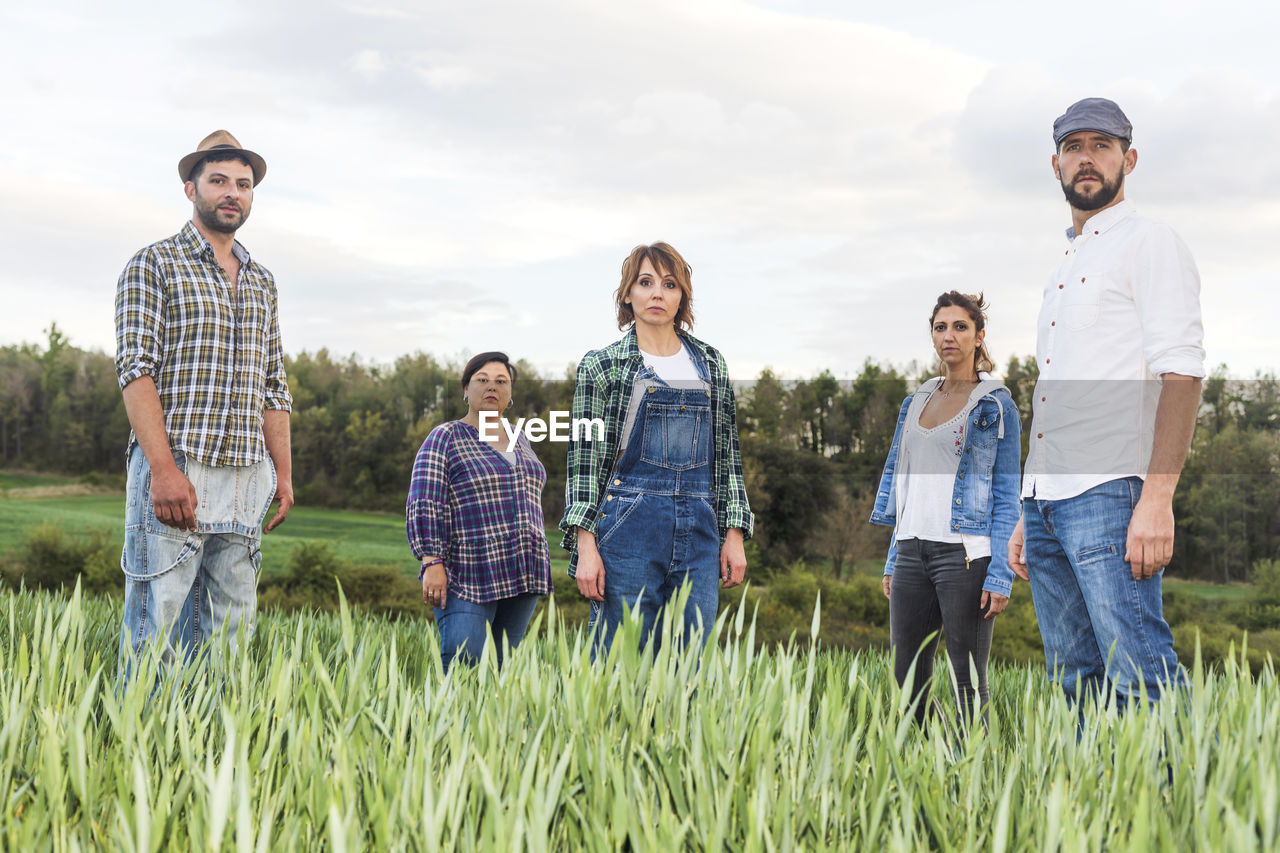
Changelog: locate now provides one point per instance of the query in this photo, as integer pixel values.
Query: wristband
(437, 561)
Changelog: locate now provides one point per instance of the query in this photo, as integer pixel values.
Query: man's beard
(211, 218)
(1100, 198)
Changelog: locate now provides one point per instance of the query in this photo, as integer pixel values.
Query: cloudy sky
(455, 177)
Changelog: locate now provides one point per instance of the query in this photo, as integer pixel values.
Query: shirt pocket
(252, 324)
(1082, 300)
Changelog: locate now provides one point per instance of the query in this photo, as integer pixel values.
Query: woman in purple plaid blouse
(474, 519)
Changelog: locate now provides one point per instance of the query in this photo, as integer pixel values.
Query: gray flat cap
(1096, 114)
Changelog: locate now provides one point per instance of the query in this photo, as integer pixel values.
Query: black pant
(934, 588)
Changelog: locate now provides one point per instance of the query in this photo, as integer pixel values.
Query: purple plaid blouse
(479, 512)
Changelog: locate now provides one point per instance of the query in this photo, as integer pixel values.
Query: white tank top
(926, 481)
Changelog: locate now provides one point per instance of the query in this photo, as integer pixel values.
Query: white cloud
(444, 174)
(369, 64)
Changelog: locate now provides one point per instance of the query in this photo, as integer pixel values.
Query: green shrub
(310, 582)
(50, 558)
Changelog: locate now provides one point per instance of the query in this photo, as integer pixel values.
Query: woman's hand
(886, 582)
(435, 584)
(733, 558)
(993, 603)
(590, 574)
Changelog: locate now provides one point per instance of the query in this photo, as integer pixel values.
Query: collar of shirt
(1103, 220)
(198, 245)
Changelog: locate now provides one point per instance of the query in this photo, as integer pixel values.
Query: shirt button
(651, 390)
(1097, 232)
(1047, 360)
(602, 515)
(957, 501)
(961, 475)
(708, 393)
(1042, 399)
(682, 408)
(1053, 322)
(609, 498)
(1060, 287)
(1039, 435)
(617, 482)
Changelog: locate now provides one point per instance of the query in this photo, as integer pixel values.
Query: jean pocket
(616, 512)
(255, 556)
(1098, 553)
(147, 555)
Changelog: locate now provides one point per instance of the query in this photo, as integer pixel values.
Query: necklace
(945, 394)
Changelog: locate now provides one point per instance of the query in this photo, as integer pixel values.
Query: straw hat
(221, 140)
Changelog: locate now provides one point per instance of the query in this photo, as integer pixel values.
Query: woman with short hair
(474, 520)
(661, 501)
(950, 490)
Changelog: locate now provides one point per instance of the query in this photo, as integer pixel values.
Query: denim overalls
(182, 586)
(656, 526)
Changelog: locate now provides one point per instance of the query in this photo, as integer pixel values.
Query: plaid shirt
(481, 514)
(605, 380)
(216, 364)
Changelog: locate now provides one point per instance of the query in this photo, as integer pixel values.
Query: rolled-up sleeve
(1006, 503)
(427, 517)
(581, 495)
(1166, 288)
(737, 510)
(276, 390)
(140, 311)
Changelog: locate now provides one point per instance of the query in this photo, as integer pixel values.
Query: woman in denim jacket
(950, 491)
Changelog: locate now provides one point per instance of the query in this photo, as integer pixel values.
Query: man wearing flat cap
(1120, 354)
(199, 361)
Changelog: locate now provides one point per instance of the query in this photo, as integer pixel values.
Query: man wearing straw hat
(199, 361)
(1120, 353)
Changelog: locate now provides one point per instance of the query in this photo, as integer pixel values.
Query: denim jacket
(985, 498)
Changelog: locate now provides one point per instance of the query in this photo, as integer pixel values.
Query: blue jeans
(1100, 627)
(657, 526)
(465, 625)
(182, 586)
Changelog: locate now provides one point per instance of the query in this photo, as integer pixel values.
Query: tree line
(812, 449)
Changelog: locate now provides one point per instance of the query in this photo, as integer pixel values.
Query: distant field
(364, 538)
(22, 480)
(1214, 591)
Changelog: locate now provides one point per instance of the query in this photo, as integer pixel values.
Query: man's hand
(887, 583)
(284, 498)
(1018, 554)
(590, 573)
(993, 603)
(173, 497)
(1149, 547)
(733, 558)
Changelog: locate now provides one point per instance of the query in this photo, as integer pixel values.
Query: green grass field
(364, 538)
(340, 732)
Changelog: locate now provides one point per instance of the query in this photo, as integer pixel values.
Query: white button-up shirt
(1122, 310)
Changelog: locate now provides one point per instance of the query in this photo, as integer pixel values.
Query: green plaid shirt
(605, 380)
(216, 359)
